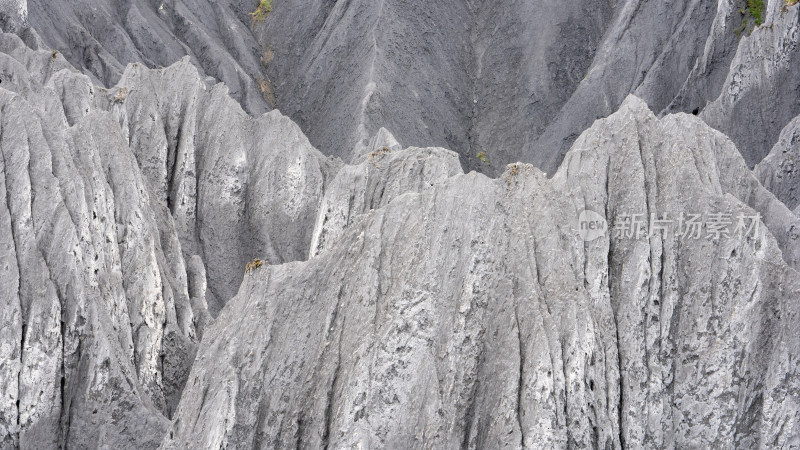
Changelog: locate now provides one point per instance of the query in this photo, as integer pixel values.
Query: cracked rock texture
(125, 212)
(471, 313)
(238, 187)
(100, 37)
(760, 94)
(94, 290)
(519, 81)
(780, 170)
(180, 269)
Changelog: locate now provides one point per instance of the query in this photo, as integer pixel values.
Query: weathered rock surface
(398, 301)
(521, 80)
(126, 211)
(13, 15)
(382, 176)
(516, 81)
(471, 313)
(780, 170)
(94, 292)
(760, 93)
(102, 37)
(238, 187)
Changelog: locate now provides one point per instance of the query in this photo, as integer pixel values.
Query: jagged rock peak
(13, 15)
(475, 312)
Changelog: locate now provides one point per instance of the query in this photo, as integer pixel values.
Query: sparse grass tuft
(483, 158)
(255, 264)
(792, 2)
(378, 154)
(265, 87)
(120, 96)
(266, 56)
(264, 8)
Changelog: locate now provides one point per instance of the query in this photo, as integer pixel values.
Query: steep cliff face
(238, 187)
(517, 81)
(94, 289)
(382, 176)
(521, 80)
(472, 313)
(393, 300)
(780, 170)
(760, 94)
(125, 211)
(102, 37)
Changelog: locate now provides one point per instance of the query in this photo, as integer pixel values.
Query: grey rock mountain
(94, 288)
(100, 37)
(760, 94)
(780, 170)
(514, 82)
(126, 212)
(181, 267)
(519, 81)
(238, 187)
(470, 313)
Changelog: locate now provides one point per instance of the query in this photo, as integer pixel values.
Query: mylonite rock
(471, 313)
(780, 170)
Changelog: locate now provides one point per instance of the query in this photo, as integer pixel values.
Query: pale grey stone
(100, 37)
(379, 178)
(471, 314)
(760, 94)
(107, 193)
(780, 170)
(395, 301)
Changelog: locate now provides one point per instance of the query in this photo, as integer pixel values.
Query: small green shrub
(483, 158)
(756, 9)
(264, 8)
